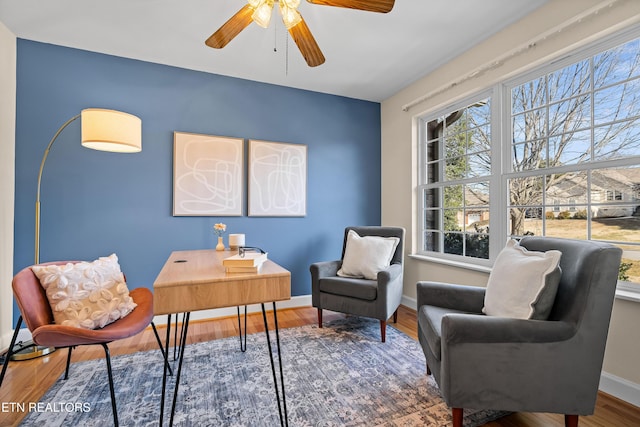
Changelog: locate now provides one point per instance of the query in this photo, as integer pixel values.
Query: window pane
(477, 245)
(432, 219)
(570, 115)
(529, 155)
(569, 81)
(432, 241)
(525, 191)
(619, 102)
(479, 113)
(453, 243)
(568, 223)
(453, 196)
(479, 165)
(617, 140)
(455, 168)
(479, 139)
(477, 194)
(530, 125)
(455, 145)
(529, 95)
(453, 219)
(622, 228)
(617, 64)
(526, 221)
(567, 189)
(615, 186)
(431, 197)
(570, 148)
(477, 220)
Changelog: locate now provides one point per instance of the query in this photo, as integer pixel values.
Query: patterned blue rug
(340, 375)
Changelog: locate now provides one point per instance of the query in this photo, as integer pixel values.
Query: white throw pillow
(522, 283)
(366, 256)
(86, 295)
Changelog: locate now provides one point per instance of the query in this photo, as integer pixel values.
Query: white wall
(7, 176)
(557, 27)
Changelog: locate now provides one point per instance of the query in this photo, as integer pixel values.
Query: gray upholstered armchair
(553, 365)
(377, 298)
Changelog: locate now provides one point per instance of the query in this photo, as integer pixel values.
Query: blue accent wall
(97, 203)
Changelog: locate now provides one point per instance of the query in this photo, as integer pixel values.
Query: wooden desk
(196, 280)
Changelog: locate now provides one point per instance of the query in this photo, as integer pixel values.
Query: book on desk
(248, 263)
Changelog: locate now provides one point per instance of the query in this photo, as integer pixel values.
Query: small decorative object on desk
(235, 241)
(219, 229)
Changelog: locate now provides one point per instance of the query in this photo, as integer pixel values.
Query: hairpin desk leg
(164, 369)
(243, 348)
(164, 356)
(183, 343)
(282, 407)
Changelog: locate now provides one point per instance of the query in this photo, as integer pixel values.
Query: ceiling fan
(259, 11)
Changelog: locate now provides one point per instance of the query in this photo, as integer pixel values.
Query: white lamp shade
(110, 130)
(236, 240)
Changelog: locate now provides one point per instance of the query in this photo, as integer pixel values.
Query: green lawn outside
(618, 230)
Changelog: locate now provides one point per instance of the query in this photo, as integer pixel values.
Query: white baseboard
(412, 303)
(23, 335)
(615, 386)
(621, 388)
(299, 301)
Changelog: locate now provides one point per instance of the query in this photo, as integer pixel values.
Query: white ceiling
(369, 55)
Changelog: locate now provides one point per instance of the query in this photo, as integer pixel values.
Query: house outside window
(560, 156)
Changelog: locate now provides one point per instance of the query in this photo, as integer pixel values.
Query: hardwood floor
(27, 381)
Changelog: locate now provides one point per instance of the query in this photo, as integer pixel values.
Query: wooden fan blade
(307, 44)
(381, 6)
(231, 28)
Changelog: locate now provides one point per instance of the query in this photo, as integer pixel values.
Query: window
(563, 160)
(455, 186)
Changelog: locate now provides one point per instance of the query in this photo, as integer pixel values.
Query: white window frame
(493, 178)
(500, 95)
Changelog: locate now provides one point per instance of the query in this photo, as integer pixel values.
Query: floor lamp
(104, 130)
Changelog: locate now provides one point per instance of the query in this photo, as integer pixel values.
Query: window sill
(625, 290)
(628, 291)
(452, 263)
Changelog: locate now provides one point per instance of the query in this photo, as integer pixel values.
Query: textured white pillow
(86, 295)
(365, 256)
(522, 283)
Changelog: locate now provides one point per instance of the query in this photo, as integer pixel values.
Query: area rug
(340, 375)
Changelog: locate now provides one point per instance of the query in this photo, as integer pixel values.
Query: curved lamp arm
(103, 130)
(44, 159)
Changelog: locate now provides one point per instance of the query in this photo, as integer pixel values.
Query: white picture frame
(277, 179)
(208, 175)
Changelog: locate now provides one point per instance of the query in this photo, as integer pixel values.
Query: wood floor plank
(27, 381)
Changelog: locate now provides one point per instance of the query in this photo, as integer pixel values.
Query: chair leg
(111, 389)
(319, 318)
(383, 330)
(66, 372)
(456, 417)
(164, 355)
(9, 353)
(395, 316)
(571, 420)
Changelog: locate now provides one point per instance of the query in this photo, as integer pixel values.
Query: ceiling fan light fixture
(290, 16)
(262, 14)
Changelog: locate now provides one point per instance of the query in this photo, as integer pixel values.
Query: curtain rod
(524, 47)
